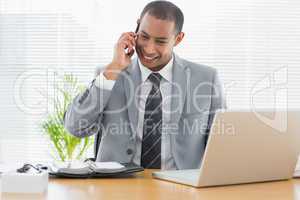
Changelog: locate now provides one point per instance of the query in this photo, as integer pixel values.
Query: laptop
(245, 147)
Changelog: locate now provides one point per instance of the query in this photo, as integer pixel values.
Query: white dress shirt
(167, 160)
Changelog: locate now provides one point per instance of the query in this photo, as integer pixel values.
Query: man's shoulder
(197, 68)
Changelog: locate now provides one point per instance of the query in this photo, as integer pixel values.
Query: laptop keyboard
(183, 174)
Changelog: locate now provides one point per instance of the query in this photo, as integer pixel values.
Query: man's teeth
(149, 58)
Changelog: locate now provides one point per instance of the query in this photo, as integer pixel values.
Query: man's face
(155, 42)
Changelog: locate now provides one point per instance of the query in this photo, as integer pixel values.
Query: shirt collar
(165, 72)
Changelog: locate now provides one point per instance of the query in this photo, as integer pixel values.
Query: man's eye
(161, 42)
(144, 37)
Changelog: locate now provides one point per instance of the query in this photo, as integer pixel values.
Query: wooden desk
(142, 186)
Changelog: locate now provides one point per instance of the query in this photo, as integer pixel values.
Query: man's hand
(121, 59)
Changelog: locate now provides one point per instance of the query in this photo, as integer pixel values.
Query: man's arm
(83, 116)
(84, 113)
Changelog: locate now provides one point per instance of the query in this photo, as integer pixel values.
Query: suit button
(129, 151)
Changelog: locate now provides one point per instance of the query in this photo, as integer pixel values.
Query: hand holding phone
(123, 51)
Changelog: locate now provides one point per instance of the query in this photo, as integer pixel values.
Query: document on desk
(92, 169)
(88, 167)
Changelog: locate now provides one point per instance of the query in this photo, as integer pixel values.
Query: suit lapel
(132, 81)
(179, 88)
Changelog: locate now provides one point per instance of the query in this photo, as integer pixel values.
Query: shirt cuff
(103, 83)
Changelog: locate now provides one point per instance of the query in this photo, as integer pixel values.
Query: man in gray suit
(154, 110)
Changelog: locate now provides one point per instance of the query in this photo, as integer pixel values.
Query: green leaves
(66, 146)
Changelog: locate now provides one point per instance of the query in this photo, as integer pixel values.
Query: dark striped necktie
(151, 143)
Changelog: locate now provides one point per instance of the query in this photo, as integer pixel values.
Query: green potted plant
(66, 147)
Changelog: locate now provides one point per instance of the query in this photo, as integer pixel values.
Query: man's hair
(165, 10)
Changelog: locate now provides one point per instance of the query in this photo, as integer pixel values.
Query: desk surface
(143, 186)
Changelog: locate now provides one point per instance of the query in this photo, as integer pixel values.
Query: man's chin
(153, 66)
(149, 65)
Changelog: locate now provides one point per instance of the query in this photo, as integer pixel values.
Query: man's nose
(149, 48)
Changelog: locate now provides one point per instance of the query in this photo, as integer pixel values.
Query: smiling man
(154, 110)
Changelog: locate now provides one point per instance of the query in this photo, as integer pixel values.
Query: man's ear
(179, 38)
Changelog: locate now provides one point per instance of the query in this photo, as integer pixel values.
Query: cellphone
(137, 28)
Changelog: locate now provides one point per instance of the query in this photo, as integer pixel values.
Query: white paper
(108, 165)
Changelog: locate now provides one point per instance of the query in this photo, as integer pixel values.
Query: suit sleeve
(84, 114)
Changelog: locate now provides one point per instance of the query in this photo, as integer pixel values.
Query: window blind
(254, 44)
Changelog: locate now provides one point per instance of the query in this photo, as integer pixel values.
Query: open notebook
(92, 169)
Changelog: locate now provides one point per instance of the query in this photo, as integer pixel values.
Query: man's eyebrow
(158, 38)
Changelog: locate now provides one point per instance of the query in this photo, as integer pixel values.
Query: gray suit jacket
(113, 115)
